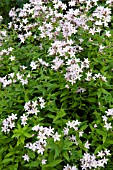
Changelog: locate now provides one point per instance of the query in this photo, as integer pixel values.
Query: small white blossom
(12, 58)
(87, 145)
(26, 157)
(33, 65)
(56, 137)
(44, 161)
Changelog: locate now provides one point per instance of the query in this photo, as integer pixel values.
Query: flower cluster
(9, 123)
(43, 133)
(105, 118)
(57, 62)
(93, 161)
(5, 52)
(74, 69)
(7, 80)
(22, 78)
(72, 125)
(32, 107)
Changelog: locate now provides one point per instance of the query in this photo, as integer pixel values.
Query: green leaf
(31, 154)
(54, 163)
(67, 145)
(57, 151)
(22, 139)
(105, 91)
(27, 135)
(104, 138)
(101, 132)
(61, 113)
(32, 164)
(19, 127)
(91, 100)
(99, 93)
(50, 116)
(99, 148)
(66, 156)
(51, 155)
(84, 126)
(108, 143)
(6, 161)
(9, 154)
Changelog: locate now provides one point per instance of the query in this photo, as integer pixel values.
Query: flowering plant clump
(56, 97)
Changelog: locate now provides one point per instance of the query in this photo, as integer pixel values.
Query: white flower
(12, 58)
(73, 138)
(12, 125)
(95, 125)
(57, 63)
(101, 154)
(74, 168)
(10, 49)
(105, 118)
(27, 106)
(36, 128)
(24, 81)
(87, 145)
(49, 131)
(11, 75)
(40, 150)
(108, 126)
(5, 123)
(34, 103)
(89, 75)
(44, 161)
(68, 167)
(107, 152)
(19, 76)
(108, 33)
(33, 147)
(14, 116)
(80, 90)
(41, 136)
(56, 137)
(33, 65)
(109, 112)
(104, 160)
(101, 48)
(3, 33)
(22, 39)
(26, 157)
(24, 118)
(42, 105)
(72, 3)
(41, 100)
(66, 130)
(23, 67)
(100, 163)
(81, 133)
(73, 124)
